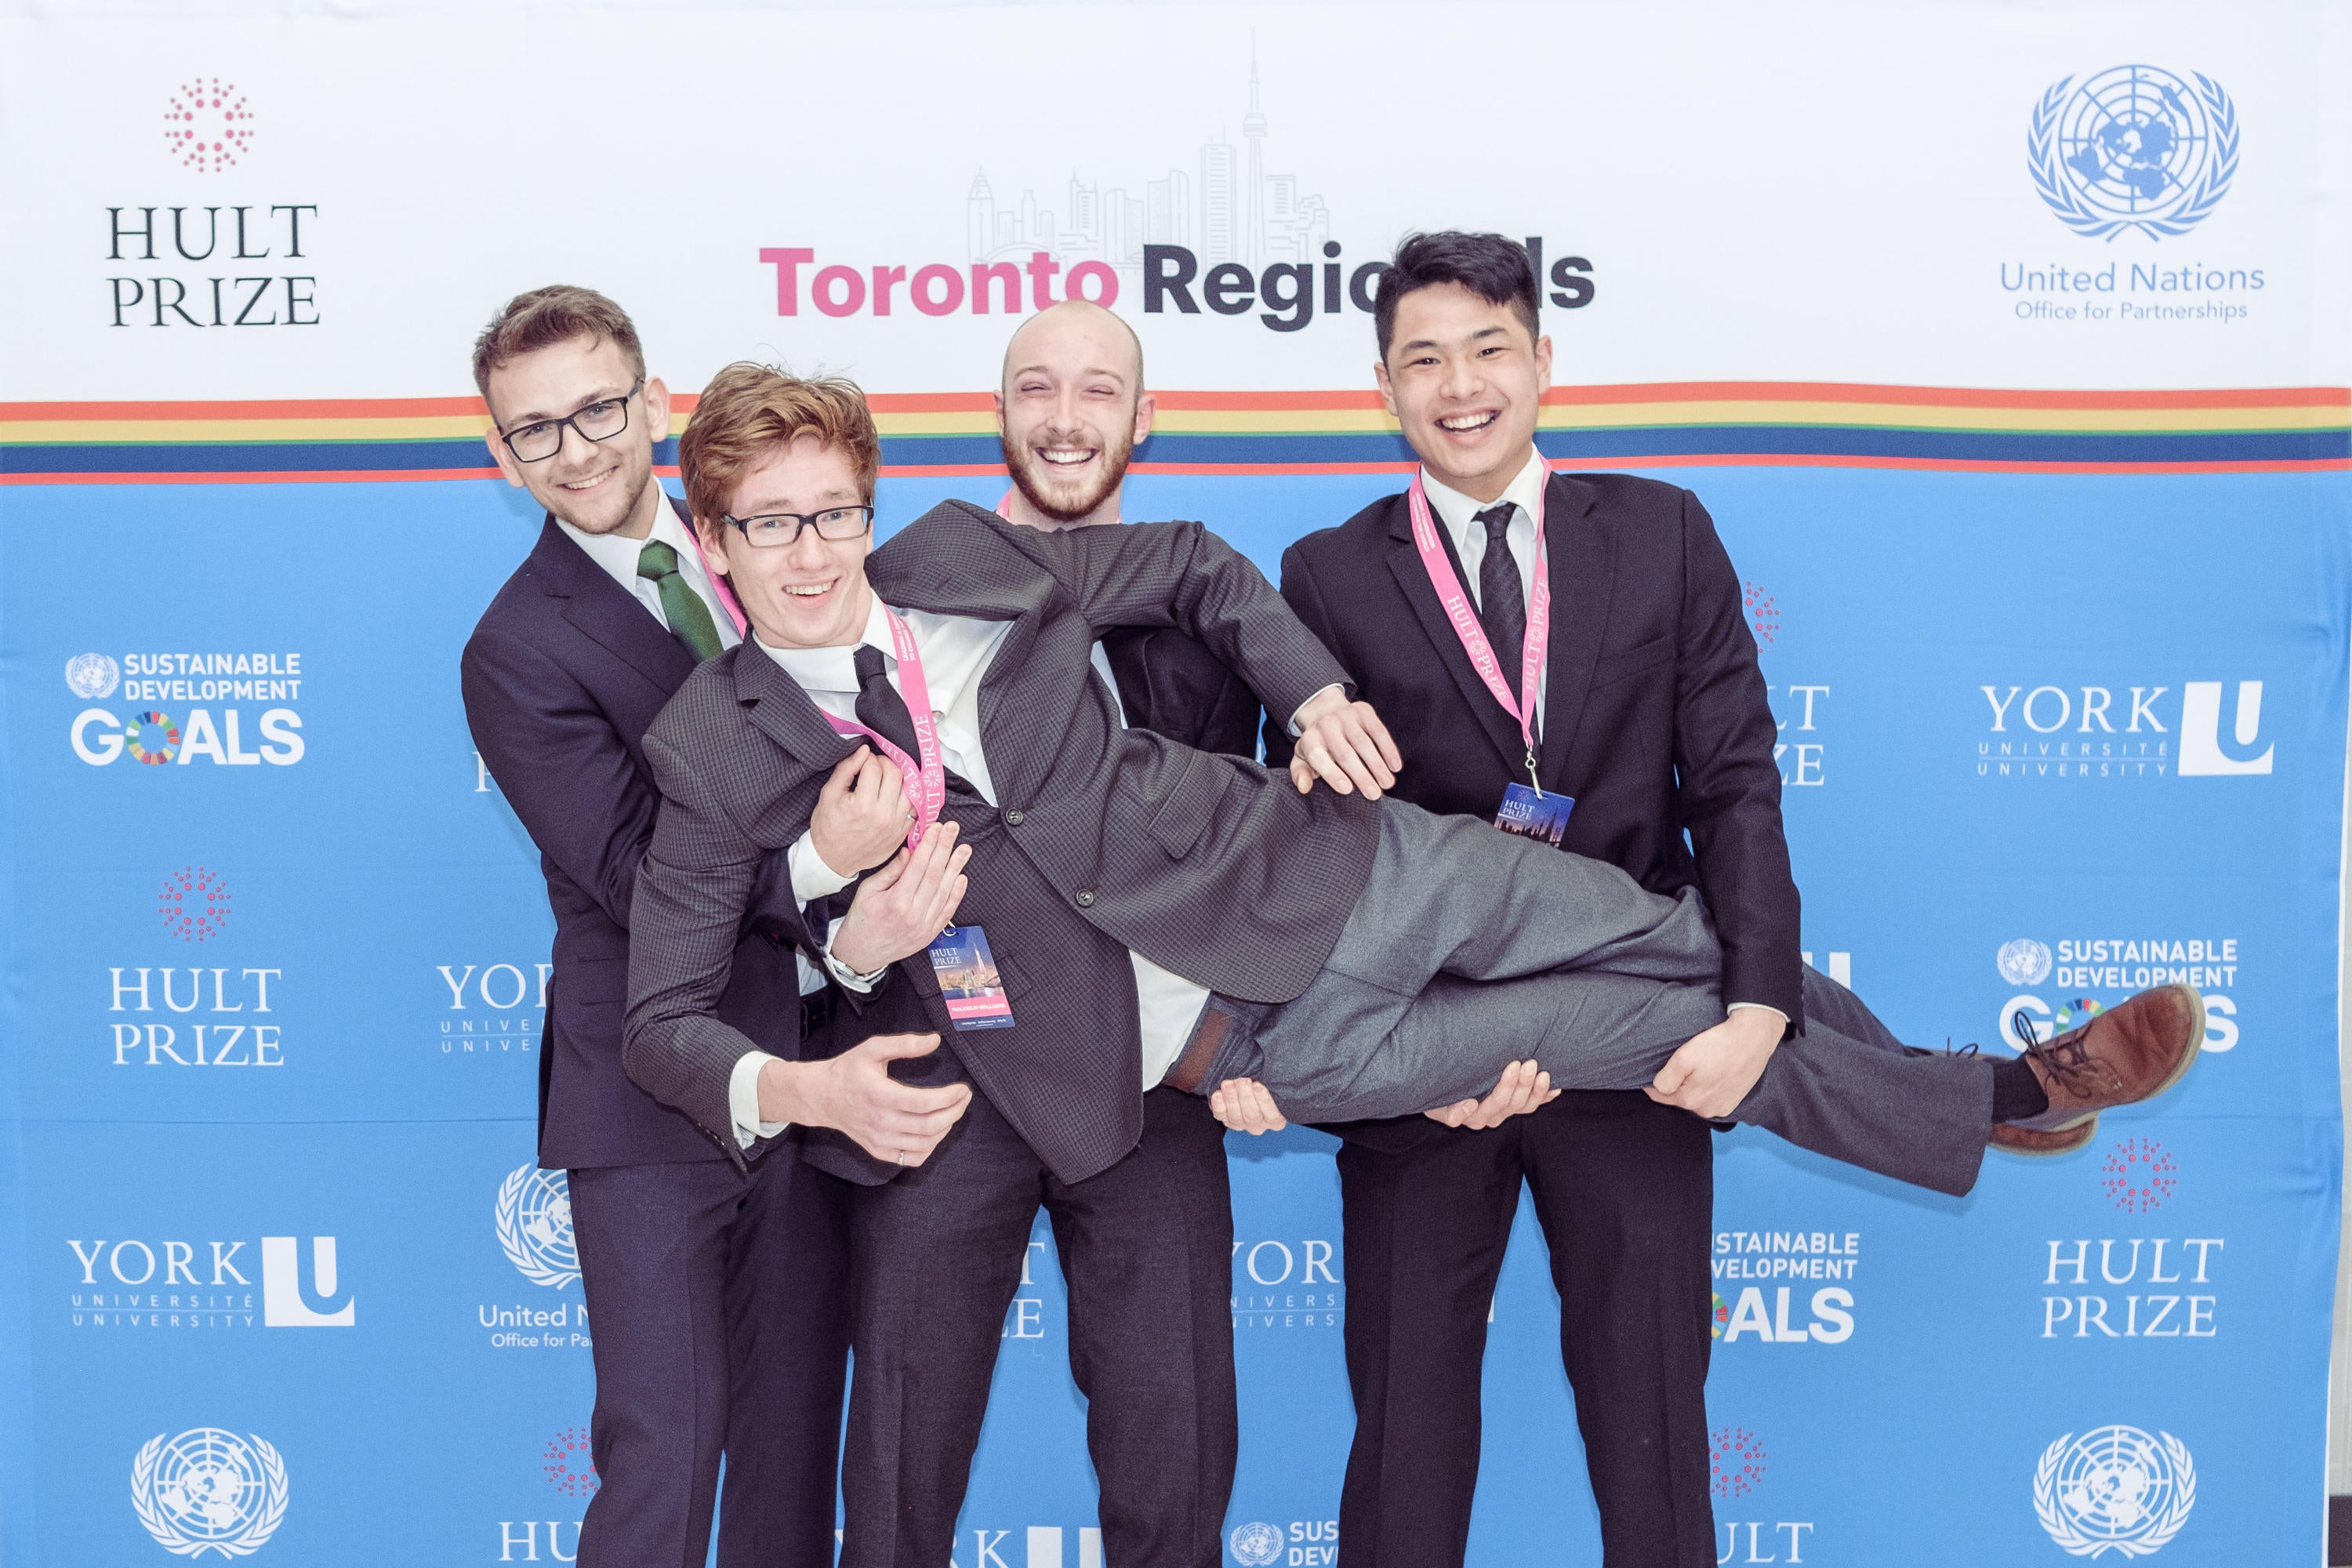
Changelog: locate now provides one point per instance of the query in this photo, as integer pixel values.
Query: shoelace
(2069, 1066)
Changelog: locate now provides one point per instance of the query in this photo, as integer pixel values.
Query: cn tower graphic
(1226, 206)
(1254, 193)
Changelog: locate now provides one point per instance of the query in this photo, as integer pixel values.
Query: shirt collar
(1459, 512)
(617, 554)
(833, 668)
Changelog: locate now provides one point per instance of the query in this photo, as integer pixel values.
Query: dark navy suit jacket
(562, 676)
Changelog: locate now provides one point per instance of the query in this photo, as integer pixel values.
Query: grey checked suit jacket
(1104, 839)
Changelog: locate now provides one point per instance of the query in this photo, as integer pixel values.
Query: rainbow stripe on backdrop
(1659, 426)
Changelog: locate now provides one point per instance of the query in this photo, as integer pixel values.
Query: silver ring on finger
(902, 1156)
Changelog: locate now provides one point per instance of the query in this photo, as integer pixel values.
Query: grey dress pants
(1471, 948)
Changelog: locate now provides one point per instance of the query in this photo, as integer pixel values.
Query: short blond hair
(749, 410)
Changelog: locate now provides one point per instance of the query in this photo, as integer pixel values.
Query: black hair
(1494, 269)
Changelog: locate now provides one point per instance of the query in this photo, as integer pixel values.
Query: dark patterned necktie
(1502, 596)
(682, 607)
(881, 709)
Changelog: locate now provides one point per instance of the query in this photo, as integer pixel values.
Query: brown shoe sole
(2039, 1143)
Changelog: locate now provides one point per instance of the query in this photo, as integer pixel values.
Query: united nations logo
(2115, 1488)
(208, 1490)
(2024, 962)
(1256, 1545)
(89, 675)
(2133, 147)
(535, 1225)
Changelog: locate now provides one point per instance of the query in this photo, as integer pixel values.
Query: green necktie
(681, 605)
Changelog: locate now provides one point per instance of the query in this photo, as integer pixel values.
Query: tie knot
(1496, 520)
(870, 668)
(657, 560)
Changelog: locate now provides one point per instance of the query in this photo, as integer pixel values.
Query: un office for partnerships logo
(2133, 147)
(2115, 1488)
(209, 1490)
(534, 1220)
(207, 124)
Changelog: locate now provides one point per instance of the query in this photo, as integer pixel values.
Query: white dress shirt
(956, 651)
(1458, 515)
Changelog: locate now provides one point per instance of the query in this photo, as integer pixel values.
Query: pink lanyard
(926, 780)
(1464, 619)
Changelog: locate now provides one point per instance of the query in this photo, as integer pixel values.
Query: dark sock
(2017, 1094)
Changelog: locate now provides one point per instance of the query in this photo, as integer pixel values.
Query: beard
(1066, 499)
(596, 516)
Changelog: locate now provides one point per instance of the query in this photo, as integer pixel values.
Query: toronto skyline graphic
(1224, 207)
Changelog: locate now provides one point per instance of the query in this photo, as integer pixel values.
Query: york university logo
(2133, 147)
(209, 1490)
(293, 1297)
(534, 1223)
(2213, 729)
(2115, 1488)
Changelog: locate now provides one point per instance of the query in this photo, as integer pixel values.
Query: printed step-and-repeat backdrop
(2008, 348)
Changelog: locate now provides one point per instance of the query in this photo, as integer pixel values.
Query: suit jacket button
(1085, 899)
(1016, 817)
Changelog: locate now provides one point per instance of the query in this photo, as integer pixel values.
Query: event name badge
(968, 982)
(1532, 814)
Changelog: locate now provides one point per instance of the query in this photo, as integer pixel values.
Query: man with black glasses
(716, 1274)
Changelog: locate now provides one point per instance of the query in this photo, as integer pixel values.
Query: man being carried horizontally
(1355, 955)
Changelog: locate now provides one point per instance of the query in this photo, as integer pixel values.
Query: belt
(1200, 1052)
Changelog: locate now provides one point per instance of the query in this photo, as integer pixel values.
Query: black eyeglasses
(600, 421)
(772, 530)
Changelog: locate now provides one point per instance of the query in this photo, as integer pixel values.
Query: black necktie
(1502, 597)
(881, 709)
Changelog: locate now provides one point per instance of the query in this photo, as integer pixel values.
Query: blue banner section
(280, 1274)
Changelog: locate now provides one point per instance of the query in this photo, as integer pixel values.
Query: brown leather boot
(2134, 1051)
(2011, 1138)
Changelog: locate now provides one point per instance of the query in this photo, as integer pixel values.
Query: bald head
(1071, 409)
(1076, 337)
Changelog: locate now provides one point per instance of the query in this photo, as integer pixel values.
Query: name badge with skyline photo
(1533, 816)
(968, 982)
